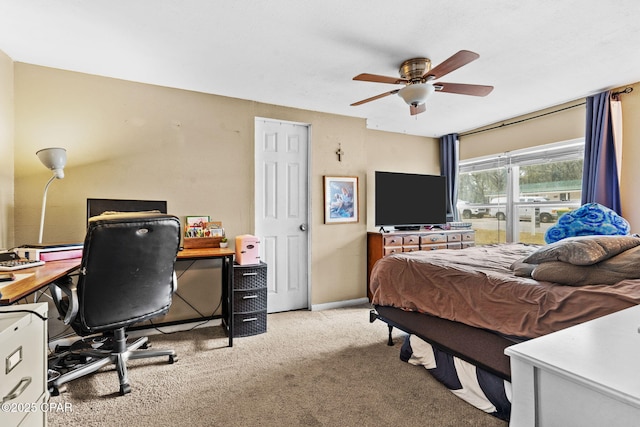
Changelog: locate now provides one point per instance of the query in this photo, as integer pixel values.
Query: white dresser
(23, 357)
(586, 375)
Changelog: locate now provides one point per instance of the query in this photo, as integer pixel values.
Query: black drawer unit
(249, 299)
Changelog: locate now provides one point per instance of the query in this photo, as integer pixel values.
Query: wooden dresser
(383, 244)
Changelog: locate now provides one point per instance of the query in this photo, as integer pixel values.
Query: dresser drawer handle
(251, 319)
(17, 390)
(250, 297)
(255, 273)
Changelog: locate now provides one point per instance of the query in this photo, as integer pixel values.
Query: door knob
(303, 227)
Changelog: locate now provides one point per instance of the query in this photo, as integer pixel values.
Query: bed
(462, 308)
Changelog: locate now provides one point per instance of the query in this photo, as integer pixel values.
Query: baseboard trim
(151, 330)
(339, 304)
(142, 332)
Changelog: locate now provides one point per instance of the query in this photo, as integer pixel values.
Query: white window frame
(512, 161)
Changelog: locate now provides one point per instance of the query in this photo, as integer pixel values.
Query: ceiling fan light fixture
(417, 93)
(417, 76)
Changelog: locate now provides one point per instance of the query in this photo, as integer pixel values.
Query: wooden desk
(226, 255)
(42, 276)
(52, 270)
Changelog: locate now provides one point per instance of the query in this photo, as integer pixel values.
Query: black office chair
(126, 276)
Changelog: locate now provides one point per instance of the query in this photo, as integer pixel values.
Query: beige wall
(6, 151)
(131, 140)
(561, 126)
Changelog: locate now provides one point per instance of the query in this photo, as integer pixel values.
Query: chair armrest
(68, 287)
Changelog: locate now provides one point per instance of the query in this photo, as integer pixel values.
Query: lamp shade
(417, 93)
(54, 159)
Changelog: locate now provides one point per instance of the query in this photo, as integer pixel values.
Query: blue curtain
(449, 157)
(600, 172)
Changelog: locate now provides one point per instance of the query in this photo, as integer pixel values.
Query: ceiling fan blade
(454, 62)
(417, 109)
(373, 98)
(366, 77)
(463, 89)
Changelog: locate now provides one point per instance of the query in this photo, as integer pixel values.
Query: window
(516, 196)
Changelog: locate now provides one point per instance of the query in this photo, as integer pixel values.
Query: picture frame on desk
(195, 226)
(341, 199)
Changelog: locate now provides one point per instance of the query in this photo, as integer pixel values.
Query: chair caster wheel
(124, 389)
(55, 391)
(173, 359)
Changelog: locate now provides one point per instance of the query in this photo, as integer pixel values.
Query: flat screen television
(409, 201)
(97, 207)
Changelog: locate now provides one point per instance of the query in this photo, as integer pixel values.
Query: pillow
(522, 269)
(588, 220)
(583, 250)
(608, 272)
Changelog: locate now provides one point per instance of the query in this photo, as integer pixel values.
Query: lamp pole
(54, 159)
(44, 206)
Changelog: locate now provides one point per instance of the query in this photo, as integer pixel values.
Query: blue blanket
(588, 220)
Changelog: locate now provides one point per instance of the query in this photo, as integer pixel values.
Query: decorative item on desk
(201, 242)
(200, 232)
(247, 249)
(195, 226)
(224, 243)
(214, 229)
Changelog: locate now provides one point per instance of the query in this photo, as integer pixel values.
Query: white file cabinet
(23, 353)
(582, 376)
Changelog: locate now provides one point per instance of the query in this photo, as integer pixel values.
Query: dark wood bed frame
(480, 347)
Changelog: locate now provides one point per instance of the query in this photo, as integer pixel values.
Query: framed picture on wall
(340, 199)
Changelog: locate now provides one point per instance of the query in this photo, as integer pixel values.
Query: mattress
(476, 286)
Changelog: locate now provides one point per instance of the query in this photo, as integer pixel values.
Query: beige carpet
(325, 368)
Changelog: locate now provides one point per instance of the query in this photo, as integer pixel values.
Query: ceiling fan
(416, 74)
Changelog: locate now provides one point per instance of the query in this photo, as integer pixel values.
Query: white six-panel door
(281, 216)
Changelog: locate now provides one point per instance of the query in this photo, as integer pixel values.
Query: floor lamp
(54, 159)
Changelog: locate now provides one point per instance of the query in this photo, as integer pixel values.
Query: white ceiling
(304, 54)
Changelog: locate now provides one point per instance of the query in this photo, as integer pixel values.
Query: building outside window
(516, 196)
